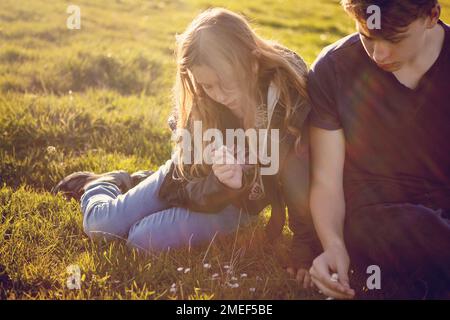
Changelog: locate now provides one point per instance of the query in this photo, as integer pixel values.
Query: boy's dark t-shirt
(397, 139)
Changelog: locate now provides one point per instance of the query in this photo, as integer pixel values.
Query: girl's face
(224, 89)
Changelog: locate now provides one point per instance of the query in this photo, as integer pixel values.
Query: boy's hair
(396, 15)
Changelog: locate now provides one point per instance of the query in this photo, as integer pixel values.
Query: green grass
(100, 96)
(42, 236)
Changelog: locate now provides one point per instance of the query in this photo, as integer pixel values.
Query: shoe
(139, 176)
(74, 185)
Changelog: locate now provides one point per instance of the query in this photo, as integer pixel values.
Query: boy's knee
(399, 237)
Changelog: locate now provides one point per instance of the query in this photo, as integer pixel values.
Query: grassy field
(100, 96)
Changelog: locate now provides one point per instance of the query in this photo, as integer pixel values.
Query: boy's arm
(328, 211)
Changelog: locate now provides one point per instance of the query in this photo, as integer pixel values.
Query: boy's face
(392, 54)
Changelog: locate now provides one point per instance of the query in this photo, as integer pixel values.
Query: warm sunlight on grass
(97, 99)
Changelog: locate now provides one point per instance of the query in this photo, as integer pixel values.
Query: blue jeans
(147, 221)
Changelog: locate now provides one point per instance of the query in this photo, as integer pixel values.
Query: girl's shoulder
(294, 58)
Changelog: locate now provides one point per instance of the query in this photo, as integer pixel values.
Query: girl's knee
(153, 240)
(150, 234)
(179, 228)
(135, 240)
(98, 225)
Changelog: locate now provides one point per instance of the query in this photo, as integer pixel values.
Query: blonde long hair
(218, 32)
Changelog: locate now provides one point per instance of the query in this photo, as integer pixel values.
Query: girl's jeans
(147, 221)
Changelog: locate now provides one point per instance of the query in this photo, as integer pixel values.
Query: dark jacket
(207, 194)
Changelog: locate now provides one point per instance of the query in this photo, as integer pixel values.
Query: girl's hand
(302, 276)
(226, 169)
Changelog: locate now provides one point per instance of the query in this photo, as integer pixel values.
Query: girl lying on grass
(227, 78)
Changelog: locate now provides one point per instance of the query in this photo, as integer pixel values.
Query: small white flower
(215, 276)
(207, 265)
(180, 269)
(187, 270)
(334, 277)
(243, 275)
(51, 150)
(173, 288)
(233, 285)
(252, 289)
(226, 267)
(233, 279)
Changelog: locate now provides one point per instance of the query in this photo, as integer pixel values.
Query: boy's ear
(434, 16)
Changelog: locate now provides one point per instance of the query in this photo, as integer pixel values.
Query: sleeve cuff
(324, 124)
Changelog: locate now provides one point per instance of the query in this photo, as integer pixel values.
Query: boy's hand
(334, 259)
(226, 169)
